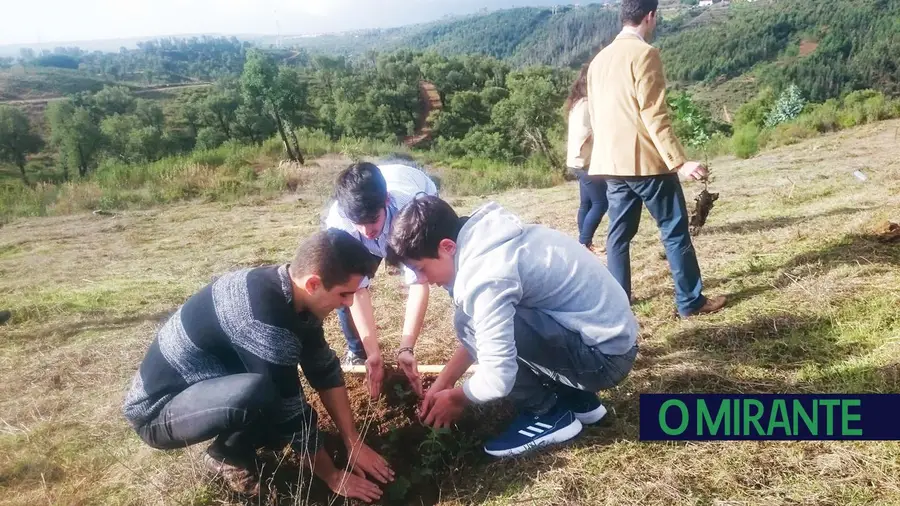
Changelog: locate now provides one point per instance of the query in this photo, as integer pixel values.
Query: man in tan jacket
(635, 149)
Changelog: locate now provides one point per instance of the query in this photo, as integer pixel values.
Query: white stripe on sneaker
(544, 425)
(532, 428)
(563, 434)
(526, 433)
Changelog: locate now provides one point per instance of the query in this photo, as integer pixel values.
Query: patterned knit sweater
(243, 322)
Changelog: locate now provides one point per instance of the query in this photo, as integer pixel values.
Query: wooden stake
(423, 369)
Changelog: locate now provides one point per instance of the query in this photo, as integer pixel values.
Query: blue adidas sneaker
(530, 431)
(586, 406)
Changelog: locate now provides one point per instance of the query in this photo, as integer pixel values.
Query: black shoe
(5, 316)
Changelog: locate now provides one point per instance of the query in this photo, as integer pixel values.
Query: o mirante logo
(711, 417)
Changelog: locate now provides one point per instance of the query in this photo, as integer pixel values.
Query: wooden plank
(423, 369)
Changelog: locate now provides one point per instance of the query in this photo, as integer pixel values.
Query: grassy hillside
(36, 83)
(563, 35)
(791, 240)
(826, 47)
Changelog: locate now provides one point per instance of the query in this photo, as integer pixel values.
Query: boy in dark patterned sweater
(224, 367)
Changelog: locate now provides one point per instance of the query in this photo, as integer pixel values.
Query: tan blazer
(633, 135)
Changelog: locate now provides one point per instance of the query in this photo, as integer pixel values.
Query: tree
(259, 81)
(210, 138)
(466, 110)
(117, 130)
(531, 111)
(788, 106)
(221, 105)
(17, 140)
(76, 135)
(251, 123)
(57, 60)
(26, 55)
(692, 124)
(754, 112)
(113, 100)
(150, 114)
(292, 99)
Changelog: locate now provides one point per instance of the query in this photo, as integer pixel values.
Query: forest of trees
(490, 110)
(167, 60)
(826, 47)
(499, 101)
(561, 36)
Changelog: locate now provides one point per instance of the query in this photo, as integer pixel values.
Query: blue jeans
(351, 335)
(553, 360)
(664, 199)
(354, 343)
(592, 190)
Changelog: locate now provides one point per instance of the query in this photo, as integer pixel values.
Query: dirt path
(429, 101)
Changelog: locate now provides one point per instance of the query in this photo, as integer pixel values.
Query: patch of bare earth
(807, 47)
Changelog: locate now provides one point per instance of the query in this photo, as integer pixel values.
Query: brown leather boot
(713, 305)
(240, 479)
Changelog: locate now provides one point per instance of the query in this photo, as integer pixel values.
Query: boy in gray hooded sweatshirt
(547, 323)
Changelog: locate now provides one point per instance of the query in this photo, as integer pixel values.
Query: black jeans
(232, 409)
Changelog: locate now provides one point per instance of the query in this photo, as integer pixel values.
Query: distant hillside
(826, 47)
(725, 53)
(560, 36)
(33, 83)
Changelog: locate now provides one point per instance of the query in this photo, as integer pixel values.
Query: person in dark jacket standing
(224, 367)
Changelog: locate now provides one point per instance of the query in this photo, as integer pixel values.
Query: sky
(43, 21)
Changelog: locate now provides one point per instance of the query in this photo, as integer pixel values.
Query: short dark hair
(333, 255)
(420, 227)
(634, 11)
(361, 192)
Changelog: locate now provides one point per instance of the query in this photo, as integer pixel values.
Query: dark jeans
(592, 190)
(664, 199)
(232, 409)
(553, 361)
(351, 335)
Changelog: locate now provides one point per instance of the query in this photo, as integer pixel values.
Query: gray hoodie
(502, 264)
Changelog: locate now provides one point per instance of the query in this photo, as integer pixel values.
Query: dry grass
(814, 309)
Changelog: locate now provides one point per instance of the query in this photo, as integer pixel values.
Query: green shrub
(823, 117)
(214, 157)
(754, 112)
(746, 141)
(209, 138)
(313, 143)
(790, 133)
(481, 176)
